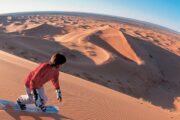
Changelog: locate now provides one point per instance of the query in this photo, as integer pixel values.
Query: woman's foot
(43, 108)
(21, 105)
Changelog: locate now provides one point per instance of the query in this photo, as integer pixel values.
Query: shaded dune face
(125, 58)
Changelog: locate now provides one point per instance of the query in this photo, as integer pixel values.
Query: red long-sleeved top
(42, 74)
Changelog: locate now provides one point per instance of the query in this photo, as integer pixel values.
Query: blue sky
(162, 12)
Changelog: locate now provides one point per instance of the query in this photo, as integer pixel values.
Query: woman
(48, 71)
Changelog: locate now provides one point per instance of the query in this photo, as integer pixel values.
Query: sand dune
(99, 44)
(137, 61)
(82, 99)
(78, 41)
(118, 42)
(44, 29)
(15, 27)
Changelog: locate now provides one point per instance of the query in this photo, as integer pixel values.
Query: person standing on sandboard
(48, 71)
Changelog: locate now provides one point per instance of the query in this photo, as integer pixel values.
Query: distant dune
(44, 29)
(110, 58)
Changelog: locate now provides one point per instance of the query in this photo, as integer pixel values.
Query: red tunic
(42, 74)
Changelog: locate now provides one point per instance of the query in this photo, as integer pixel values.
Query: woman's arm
(55, 81)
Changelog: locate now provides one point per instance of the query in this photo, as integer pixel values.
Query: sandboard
(4, 105)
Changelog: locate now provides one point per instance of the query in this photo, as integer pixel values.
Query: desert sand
(115, 70)
(81, 99)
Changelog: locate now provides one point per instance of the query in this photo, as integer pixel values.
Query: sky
(162, 12)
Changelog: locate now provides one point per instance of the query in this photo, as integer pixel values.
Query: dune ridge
(132, 60)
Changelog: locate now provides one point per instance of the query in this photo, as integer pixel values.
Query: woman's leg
(42, 99)
(26, 99)
(42, 95)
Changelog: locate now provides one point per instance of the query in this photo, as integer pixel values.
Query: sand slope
(82, 99)
(133, 62)
(140, 62)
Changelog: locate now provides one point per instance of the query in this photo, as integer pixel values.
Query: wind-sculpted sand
(115, 70)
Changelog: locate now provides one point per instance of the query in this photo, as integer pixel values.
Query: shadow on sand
(18, 115)
(164, 91)
(36, 116)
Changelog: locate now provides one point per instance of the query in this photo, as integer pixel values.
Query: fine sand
(82, 100)
(115, 70)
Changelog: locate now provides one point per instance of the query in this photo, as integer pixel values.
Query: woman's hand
(59, 95)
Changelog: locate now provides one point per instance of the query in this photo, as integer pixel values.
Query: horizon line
(101, 14)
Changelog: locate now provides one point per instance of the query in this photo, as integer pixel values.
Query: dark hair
(57, 59)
